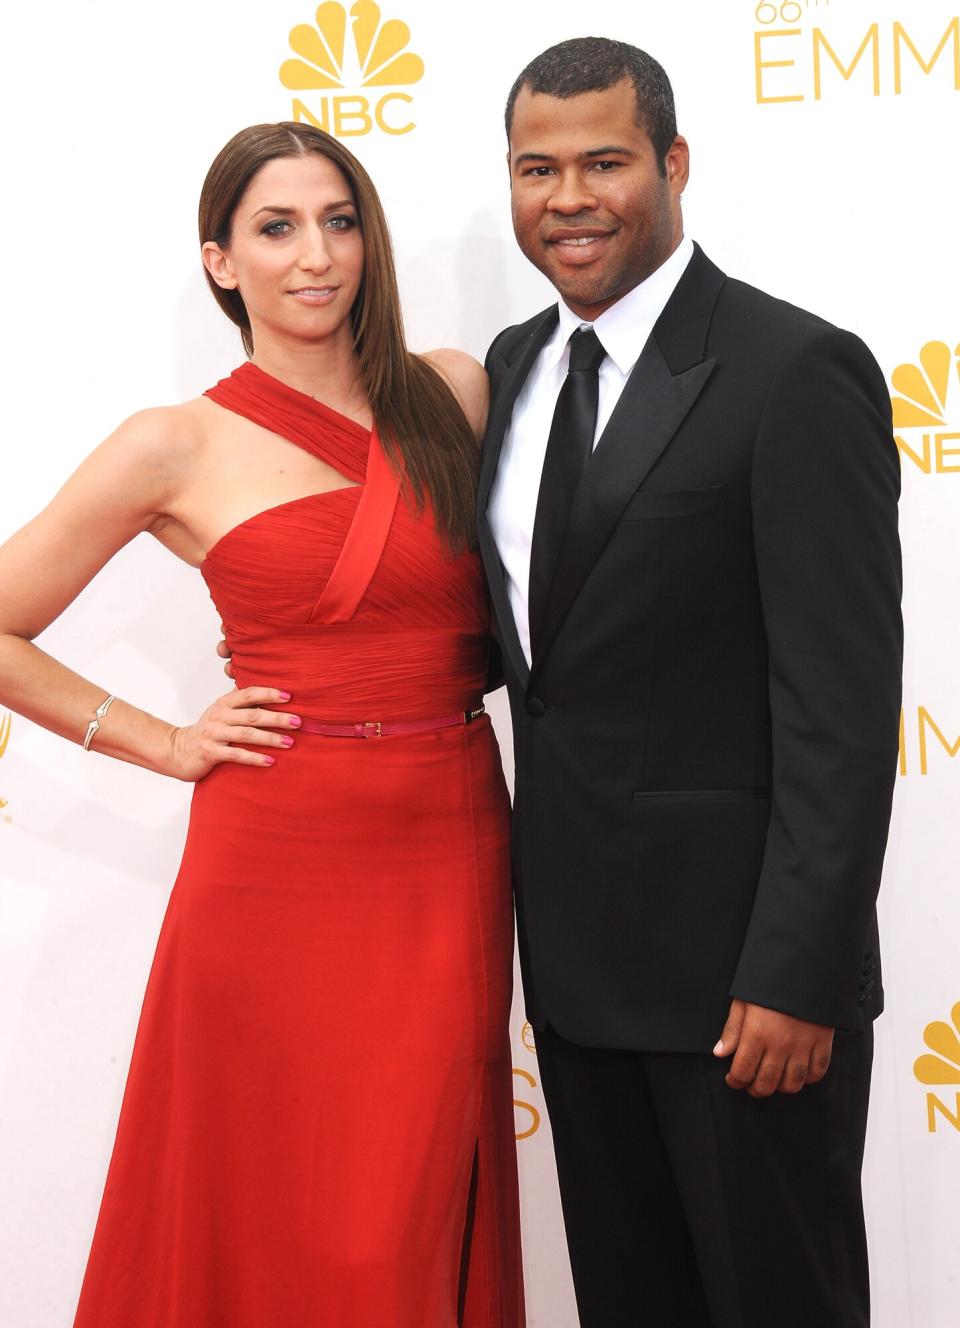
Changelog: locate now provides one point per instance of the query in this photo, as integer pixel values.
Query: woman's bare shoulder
(164, 428)
(162, 440)
(468, 379)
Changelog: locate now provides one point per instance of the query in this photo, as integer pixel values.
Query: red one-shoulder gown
(317, 1128)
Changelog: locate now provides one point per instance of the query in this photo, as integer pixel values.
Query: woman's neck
(326, 370)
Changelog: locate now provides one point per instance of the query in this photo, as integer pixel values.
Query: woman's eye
(341, 222)
(275, 228)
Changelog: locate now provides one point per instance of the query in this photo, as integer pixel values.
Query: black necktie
(568, 450)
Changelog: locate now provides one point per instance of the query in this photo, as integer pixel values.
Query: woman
(317, 1125)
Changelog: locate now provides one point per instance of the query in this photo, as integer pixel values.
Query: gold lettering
(924, 718)
(943, 466)
(302, 116)
(527, 1106)
(760, 64)
(873, 36)
(5, 726)
(351, 108)
(900, 37)
(378, 114)
(903, 743)
(924, 461)
(934, 1105)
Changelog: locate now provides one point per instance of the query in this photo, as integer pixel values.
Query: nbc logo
(376, 57)
(942, 1068)
(920, 418)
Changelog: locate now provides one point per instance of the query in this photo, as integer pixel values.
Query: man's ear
(677, 162)
(217, 262)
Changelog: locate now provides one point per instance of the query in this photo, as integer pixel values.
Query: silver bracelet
(94, 724)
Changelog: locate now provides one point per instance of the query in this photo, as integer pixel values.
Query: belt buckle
(369, 729)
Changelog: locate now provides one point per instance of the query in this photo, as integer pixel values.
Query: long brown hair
(419, 420)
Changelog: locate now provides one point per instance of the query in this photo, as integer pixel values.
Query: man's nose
(571, 194)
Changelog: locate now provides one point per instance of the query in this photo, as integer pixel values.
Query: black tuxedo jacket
(706, 742)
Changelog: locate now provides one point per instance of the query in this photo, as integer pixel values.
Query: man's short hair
(593, 64)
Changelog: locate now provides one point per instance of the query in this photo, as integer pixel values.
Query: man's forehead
(578, 123)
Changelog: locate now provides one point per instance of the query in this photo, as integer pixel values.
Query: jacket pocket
(644, 506)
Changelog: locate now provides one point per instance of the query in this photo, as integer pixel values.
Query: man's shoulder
(772, 334)
(759, 319)
(762, 313)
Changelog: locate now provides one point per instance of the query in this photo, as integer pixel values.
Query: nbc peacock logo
(921, 395)
(375, 57)
(942, 1069)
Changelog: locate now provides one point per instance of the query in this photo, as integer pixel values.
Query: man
(692, 550)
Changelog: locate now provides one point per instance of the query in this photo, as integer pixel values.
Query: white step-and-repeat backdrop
(824, 149)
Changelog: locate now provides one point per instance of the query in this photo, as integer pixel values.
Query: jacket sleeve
(826, 479)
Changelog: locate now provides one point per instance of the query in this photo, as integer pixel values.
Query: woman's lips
(314, 294)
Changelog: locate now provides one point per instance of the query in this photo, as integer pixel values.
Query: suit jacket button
(535, 707)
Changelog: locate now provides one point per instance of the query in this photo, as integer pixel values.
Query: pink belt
(376, 729)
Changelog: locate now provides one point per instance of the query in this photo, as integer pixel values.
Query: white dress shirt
(623, 330)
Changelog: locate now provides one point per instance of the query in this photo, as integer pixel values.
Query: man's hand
(223, 650)
(775, 1053)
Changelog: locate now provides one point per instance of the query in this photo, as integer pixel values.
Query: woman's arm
(468, 380)
(123, 488)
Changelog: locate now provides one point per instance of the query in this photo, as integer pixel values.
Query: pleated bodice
(349, 599)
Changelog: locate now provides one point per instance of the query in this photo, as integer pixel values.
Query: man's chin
(581, 295)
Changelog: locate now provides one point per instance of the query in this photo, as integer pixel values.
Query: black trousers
(690, 1205)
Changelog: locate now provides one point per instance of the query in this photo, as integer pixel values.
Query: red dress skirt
(317, 1128)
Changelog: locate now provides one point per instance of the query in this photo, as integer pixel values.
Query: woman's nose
(313, 253)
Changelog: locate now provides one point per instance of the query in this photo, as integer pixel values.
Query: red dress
(322, 1058)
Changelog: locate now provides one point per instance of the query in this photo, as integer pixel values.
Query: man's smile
(578, 245)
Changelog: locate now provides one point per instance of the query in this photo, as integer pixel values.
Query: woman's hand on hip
(238, 717)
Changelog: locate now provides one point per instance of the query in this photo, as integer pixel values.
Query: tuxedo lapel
(666, 381)
(506, 389)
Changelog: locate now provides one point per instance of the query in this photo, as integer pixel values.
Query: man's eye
(541, 171)
(606, 165)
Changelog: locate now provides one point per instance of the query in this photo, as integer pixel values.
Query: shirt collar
(623, 329)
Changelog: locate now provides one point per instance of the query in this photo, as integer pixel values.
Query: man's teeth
(583, 239)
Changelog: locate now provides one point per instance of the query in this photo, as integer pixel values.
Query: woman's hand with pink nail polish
(238, 717)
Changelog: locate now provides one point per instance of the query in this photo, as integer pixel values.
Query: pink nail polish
(286, 742)
(294, 721)
(269, 760)
(284, 696)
